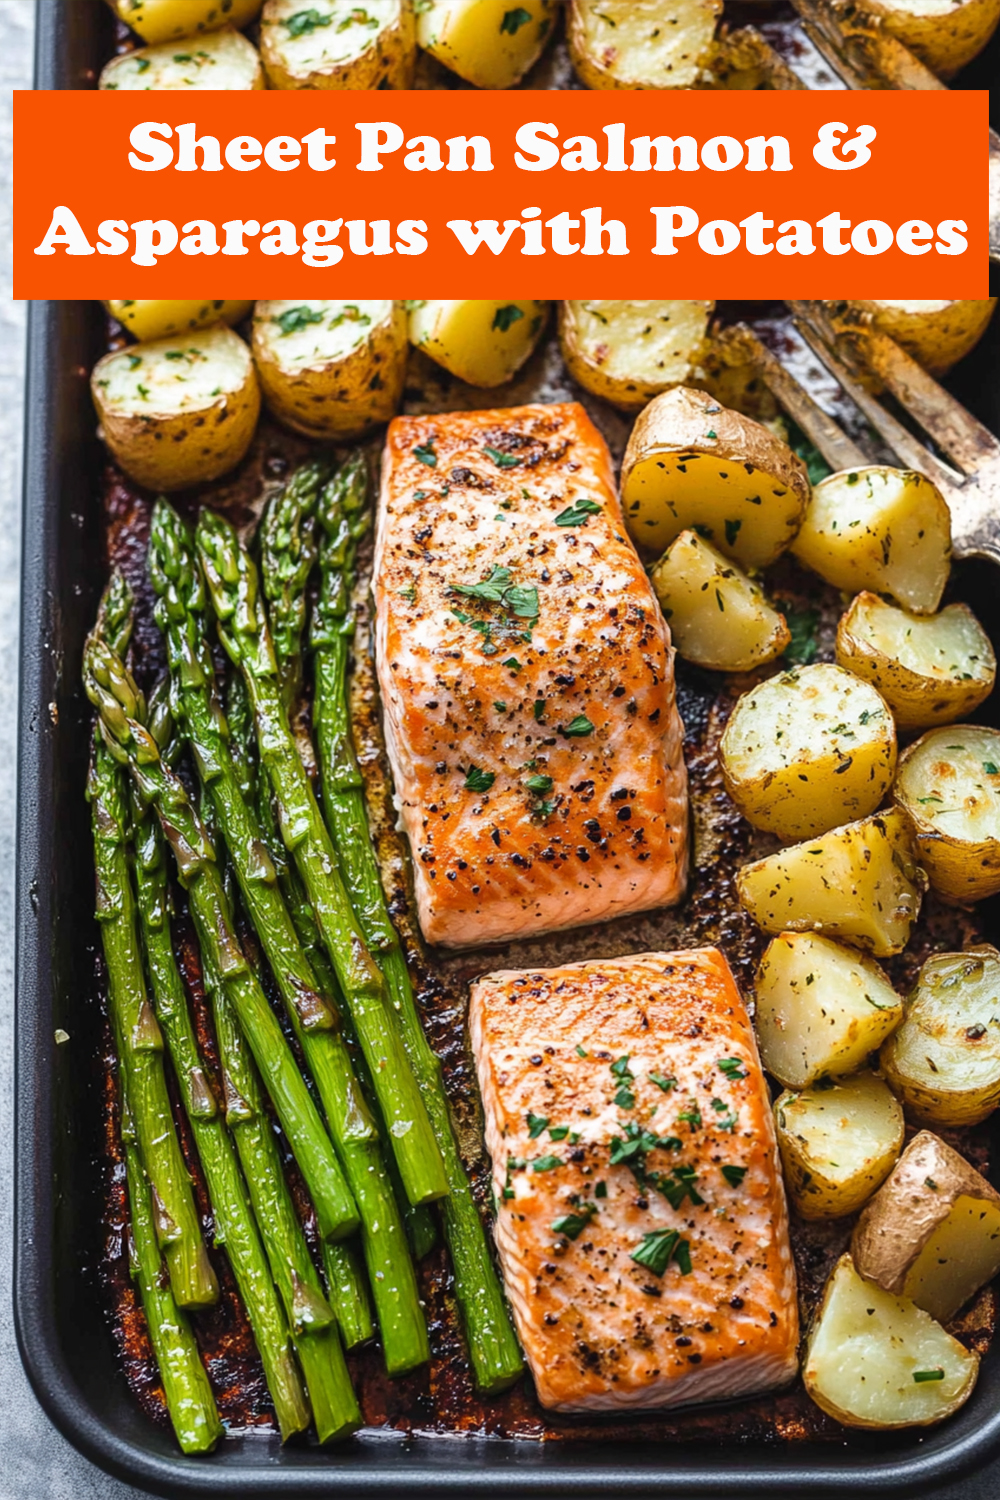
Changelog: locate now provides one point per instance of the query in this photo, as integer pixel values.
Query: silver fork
(853, 352)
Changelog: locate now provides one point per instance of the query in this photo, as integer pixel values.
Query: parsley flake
(502, 460)
(305, 21)
(734, 1175)
(294, 319)
(920, 1377)
(663, 1082)
(513, 20)
(424, 452)
(479, 781)
(577, 513)
(578, 727)
(505, 317)
(731, 1066)
(573, 1225)
(661, 1246)
(545, 1163)
(536, 1125)
(539, 784)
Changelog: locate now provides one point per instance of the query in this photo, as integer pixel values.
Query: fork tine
(967, 441)
(840, 451)
(811, 322)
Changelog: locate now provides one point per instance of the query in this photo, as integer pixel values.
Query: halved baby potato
(221, 60)
(932, 1231)
(629, 352)
(482, 343)
(937, 334)
(642, 44)
(178, 411)
(821, 1008)
(331, 369)
(490, 43)
(167, 20)
(338, 44)
(879, 1361)
(839, 1141)
(949, 788)
(808, 748)
(860, 883)
(719, 618)
(944, 34)
(930, 669)
(155, 319)
(944, 1060)
(692, 464)
(879, 528)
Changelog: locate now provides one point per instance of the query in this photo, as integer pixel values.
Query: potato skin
(719, 618)
(626, 393)
(224, 54)
(170, 451)
(918, 700)
(155, 319)
(167, 20)
(334, 397)
(817, 1193)
(945, 36)
(681, 420)
(386, 60)
(960, 868)
(489, 43)
(904, 1213)
(936, 334)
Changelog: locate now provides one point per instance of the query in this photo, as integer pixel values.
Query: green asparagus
(180, 613)
(235, 1227)
(190, 1401)
(232, 581)
(493, 1348)
(137, 1036)
(121, 707)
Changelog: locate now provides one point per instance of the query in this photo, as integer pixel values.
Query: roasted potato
(945, 34)
(949, 788)
(162, 320)
(487, 42)
(337, 44)
(222, 60)
(628, 352)
(178, 411)
(944, 1060)
(932, 1231)
(937, 334)
(878, 528)
(719, 618)
(166, 20)
(692, 464)
(860, 883)
(875, 1360)
(483, 343)
(642, 44)
(930, 669)
(821, 1008)
(838, 1140)
(808, 748)
(331, 369)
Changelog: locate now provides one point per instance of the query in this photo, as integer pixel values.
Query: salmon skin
(527, 679)
(641, 1217)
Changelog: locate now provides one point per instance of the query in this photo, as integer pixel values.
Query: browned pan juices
(440, 1399)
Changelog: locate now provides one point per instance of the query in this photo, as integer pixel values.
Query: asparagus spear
(179, 609)
(190, 1401)
(232, 581)
(314, 1329)
(137, 1036)
(288, 552)
(122, 709)
(235, 1227)
(347, 1288)
(493, 1348)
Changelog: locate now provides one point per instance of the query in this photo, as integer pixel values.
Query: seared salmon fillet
(527, 679)
(641, 1217)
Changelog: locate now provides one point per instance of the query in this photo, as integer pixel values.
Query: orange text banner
(558, 194)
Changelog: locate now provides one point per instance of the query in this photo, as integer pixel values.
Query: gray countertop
(35, 1462)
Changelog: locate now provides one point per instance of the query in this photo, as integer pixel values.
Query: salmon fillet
(527, 679)
(626, 1113)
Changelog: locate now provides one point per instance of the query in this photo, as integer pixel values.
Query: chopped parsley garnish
(620, 1067)
(502, 460)
(479, 781)
(543, 808)
(513, 20)
(506, 317)
(802, 624)
(601, 1189)
(536, 1125)
(921, 1376)
(731, 1066)
(729, 1120)
(577, 513)
(663, 1082)
(409, 593)
(678, 1185)
(573, 1225)
(990, 768)
(538, 709)
(424, 452)
(141, 64)
(513, 663)
(625, 1099)
(578, 727)
(545, 1163)
(294, 319)
(734, 1175)
(305, 21)
(581, 1051)
(134, 361)
(558, 1132)
(732, 530)
(540, 784)
(691, 1116)
(661, 1246)
(501, 708)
